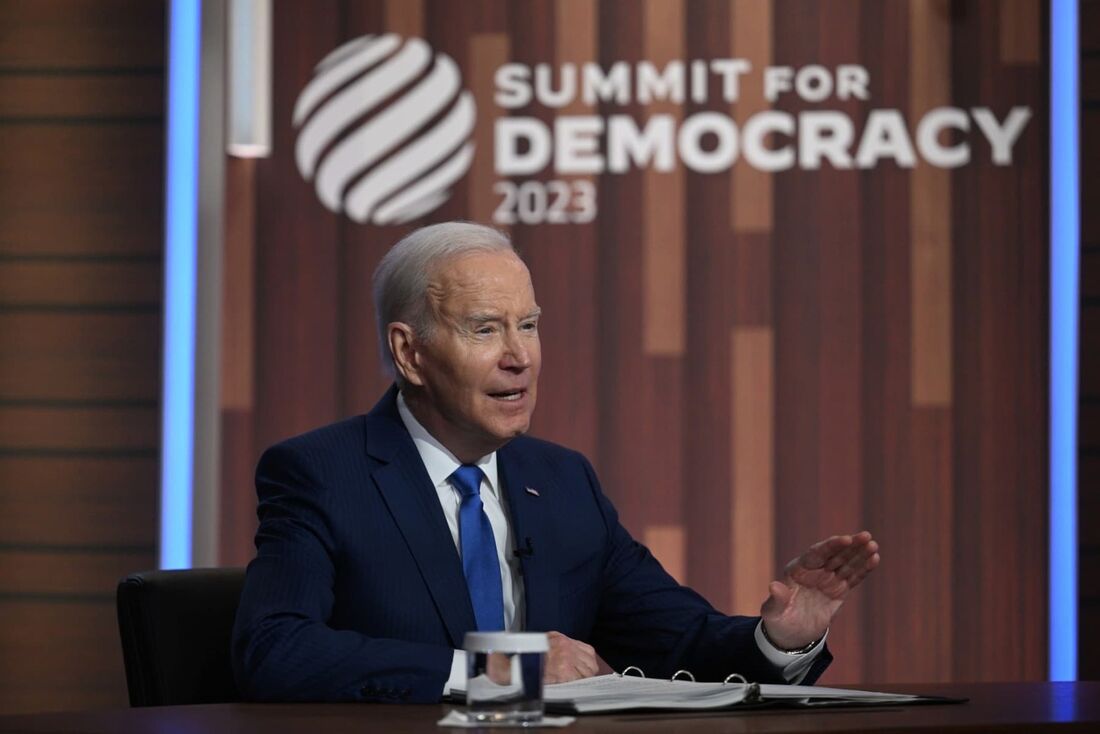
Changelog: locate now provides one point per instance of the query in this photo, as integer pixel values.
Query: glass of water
(504, 676)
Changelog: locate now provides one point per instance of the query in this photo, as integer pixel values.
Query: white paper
(614, 692)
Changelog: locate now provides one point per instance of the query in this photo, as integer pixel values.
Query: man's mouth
(508, 394)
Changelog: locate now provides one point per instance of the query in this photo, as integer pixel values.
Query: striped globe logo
(384, 129)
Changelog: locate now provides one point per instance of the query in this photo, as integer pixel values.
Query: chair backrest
(176, 628)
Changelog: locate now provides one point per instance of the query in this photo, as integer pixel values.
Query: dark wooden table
(993, 707)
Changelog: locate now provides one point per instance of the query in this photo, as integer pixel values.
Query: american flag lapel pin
(532, 491)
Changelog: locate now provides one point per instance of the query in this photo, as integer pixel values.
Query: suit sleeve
(649, 620)
(283, 648)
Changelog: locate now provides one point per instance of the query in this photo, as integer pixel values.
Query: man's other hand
(799, 608)
(568, 659)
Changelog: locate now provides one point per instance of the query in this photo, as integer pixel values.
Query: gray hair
(400, 281)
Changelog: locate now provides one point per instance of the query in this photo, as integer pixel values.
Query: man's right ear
(403, 348)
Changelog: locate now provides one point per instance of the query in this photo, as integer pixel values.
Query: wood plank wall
(81, 130)
(1088, 480)
(752, 361)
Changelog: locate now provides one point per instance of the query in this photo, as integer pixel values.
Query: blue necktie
(479, 551)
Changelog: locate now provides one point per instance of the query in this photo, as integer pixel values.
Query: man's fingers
(586, 663)
(584, 656)
(858, 560)
(832, 553)
(860, 543)
(569, 659)
(872, 562)
(820, 553)
(842, 558)
(834, 588)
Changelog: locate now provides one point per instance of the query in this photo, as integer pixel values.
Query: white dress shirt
(441, 464)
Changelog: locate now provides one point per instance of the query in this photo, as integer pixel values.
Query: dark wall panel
(68, 354)
(83, 499)
(79, 36)
(81, 150)
(81, 189)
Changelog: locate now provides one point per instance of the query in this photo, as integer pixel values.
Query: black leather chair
(176, 628)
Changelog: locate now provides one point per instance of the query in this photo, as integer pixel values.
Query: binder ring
(683, 672)
(627, 669)
(737, 678)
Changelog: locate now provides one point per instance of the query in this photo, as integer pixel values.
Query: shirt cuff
(792, 666)
(457, 679)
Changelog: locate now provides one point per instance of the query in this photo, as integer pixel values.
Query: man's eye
(529, 326)
(484, 330)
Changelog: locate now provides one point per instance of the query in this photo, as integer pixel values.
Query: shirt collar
(440, 462)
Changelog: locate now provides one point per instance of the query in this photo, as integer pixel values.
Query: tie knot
(467, 479)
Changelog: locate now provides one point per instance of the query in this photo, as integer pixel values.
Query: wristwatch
(785, 651)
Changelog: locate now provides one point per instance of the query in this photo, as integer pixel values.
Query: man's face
(476, 373)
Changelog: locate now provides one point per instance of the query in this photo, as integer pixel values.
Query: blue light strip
(1065, 235)
(180, 263)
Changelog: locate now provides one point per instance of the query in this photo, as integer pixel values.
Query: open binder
(632, 691)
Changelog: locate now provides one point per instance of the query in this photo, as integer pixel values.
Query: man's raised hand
(800, 608)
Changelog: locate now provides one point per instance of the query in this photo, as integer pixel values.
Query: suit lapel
(530, 498)
(412, 500)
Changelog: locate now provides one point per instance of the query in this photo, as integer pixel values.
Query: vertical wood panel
(1090, 164)
(562, 259)
(640, 403)
(565, 267)
(488, 51)
(405, 17)
(1020, 25)
(237, 521)
(751, 33)
(752, 526)
(708, 465)
(930, 203)
(886, 325)
(1000, 381)
(840, 337)
(797, 298)
(663, 249)
(361, 376)
(238, 285)
(752, 191)
(933, 571)
(929, 490)
(297, 310)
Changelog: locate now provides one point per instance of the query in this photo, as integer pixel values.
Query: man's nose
(517, 353)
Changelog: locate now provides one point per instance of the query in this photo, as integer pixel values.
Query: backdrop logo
(384, 129)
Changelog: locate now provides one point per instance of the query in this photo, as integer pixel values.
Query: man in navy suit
(383, 539)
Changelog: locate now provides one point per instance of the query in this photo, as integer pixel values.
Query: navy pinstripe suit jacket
(357, 590)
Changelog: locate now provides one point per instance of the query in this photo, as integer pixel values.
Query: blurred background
(795, 260)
